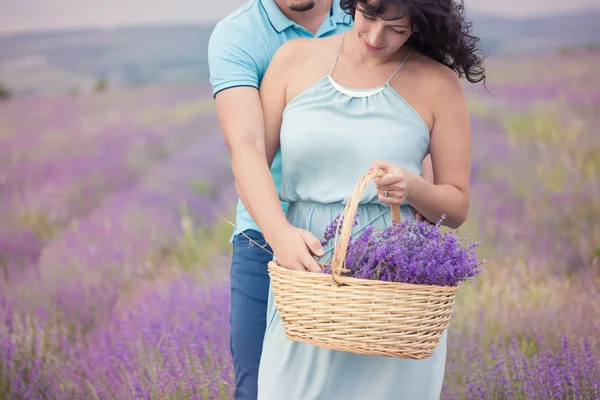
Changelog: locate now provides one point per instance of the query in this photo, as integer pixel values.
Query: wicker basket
(358, 315)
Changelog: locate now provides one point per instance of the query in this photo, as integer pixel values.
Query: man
(240, 49)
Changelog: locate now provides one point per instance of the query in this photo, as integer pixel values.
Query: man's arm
(292, 246)
(234, 75)
(241, 118)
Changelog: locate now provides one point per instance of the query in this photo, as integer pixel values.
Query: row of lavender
(171, 342)
(93, 191)
(525, 330)
(528, 328)
(60, 158)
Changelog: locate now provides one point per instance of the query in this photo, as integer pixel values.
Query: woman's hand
(394, 186)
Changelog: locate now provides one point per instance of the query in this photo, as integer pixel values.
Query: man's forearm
(241, 119)
(256, 188)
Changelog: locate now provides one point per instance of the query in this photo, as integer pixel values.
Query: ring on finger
(385, 193)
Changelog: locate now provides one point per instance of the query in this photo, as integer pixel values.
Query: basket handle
(338, 262)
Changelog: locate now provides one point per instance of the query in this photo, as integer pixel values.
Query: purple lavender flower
(330, 231)
(170, 343)
(410, 252)
(566, 373)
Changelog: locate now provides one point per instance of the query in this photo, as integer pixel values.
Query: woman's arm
(450, 151)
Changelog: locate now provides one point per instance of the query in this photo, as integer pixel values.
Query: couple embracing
(310, 95)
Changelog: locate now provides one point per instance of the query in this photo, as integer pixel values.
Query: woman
(386, 90)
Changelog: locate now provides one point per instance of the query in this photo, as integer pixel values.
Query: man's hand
(295, 249)
(420, 217)
(427, 174)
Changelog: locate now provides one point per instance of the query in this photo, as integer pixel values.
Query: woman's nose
(376, 36)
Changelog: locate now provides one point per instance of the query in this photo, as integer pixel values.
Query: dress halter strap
(338, 54)
(400, 66)
(340, 50)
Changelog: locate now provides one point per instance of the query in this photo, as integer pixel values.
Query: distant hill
(78, 60)
(502, 36)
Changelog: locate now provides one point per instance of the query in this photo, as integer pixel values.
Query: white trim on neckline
(356, 93)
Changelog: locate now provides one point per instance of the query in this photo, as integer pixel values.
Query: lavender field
(114, 249)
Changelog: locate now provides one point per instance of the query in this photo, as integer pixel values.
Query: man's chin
(301, 6)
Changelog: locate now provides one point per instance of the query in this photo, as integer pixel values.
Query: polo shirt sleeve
(229, 59)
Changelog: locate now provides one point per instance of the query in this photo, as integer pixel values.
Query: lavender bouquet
(407, 252)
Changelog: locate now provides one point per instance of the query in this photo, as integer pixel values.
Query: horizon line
(195, 22)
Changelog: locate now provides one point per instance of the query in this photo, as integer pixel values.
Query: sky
(31, 15)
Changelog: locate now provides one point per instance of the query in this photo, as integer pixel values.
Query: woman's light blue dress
(330, 135)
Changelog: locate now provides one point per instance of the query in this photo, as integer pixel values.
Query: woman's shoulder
(430, 78)
(436, 74)
(297, 56)
(304, 49)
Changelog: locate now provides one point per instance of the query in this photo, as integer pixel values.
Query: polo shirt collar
(280, 22)
(338, 15)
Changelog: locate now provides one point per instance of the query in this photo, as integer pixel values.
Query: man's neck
(311, 20)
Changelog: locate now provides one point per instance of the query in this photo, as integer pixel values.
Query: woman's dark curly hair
(440, 31)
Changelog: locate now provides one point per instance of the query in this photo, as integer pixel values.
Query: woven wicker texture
(358, 315)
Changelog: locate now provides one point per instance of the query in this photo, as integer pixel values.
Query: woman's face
(381, 37)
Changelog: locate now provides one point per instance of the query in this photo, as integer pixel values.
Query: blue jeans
(249, 293)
